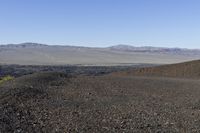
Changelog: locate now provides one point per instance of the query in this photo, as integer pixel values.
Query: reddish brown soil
(181, 70)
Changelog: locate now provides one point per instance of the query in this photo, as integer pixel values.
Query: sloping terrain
(182, 70)
(39, 54)
(56, 102)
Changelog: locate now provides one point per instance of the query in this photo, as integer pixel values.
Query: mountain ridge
(118, 46)
(42, 54)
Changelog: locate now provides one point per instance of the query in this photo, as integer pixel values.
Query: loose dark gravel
(55, 102)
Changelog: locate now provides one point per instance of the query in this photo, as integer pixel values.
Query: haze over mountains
(40, 54)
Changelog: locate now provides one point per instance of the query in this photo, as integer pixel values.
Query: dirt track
(53, 102)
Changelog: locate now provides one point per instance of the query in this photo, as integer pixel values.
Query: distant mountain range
(129, 48)
(41, 54)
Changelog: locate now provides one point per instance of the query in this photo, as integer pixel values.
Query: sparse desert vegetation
(5, 78)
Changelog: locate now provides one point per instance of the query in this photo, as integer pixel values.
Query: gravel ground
(55, 102)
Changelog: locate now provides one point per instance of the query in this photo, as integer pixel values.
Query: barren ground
(54, 102)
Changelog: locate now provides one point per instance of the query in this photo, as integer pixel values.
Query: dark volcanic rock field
(20, 70)
(56, 102)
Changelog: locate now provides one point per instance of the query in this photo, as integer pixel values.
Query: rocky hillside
(184, 70)
(56, 102)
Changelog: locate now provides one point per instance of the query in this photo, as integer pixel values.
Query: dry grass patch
(6, 78)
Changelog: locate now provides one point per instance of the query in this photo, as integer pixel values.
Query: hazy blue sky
(168, 23)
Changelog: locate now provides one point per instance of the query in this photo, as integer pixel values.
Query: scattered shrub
(5, 78)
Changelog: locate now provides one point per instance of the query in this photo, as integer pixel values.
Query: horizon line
(120, 44)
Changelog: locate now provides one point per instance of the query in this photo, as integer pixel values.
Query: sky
(101, 23)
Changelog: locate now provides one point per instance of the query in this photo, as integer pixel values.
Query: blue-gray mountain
(40, 54)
